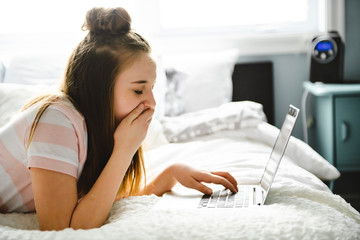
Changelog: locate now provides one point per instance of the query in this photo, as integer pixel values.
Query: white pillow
(36, 68)
(298, 151)
(13, 97)
(174, 103)
(228, 116)
(209, 77)
(2, 71)
(159, 89)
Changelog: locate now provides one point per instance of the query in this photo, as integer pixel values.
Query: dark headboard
(254, 81)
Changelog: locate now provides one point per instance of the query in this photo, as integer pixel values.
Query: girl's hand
(192, 178)
(132, 130)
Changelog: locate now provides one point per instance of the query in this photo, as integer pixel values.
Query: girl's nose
(150, 101)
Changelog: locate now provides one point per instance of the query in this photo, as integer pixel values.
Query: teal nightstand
(335, 132)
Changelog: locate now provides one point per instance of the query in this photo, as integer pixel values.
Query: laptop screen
(279, 149)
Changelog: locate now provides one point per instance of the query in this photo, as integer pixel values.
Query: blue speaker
(327, 58)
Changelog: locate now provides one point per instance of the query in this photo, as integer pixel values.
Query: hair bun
(107, 21)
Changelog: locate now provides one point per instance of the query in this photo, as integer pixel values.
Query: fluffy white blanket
(299, 205)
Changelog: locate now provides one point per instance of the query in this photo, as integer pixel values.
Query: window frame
(331, 17)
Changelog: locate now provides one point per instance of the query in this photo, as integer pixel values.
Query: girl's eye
(138, 92)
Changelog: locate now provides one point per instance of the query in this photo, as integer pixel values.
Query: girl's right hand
(132, 130)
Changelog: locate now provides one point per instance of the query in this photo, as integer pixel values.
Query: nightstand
(335, 130)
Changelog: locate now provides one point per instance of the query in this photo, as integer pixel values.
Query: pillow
(159, 90)
(299, 152)
(39, 68)
(13, 97)
(209, 77)
(2, 72)
(174, 103)
(228, 116)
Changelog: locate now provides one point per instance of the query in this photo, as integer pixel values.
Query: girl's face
(134, 86)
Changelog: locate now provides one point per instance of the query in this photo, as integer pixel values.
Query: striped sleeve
(55, 144)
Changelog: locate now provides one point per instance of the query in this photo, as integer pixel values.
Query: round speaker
(324, 49)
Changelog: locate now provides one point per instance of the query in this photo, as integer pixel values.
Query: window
(44, 16)
(166, 16)
(241, 16)
(260, 26)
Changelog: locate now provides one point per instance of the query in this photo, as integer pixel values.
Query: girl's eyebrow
(140, 82)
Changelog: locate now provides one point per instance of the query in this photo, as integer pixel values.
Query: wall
(352, 38)
(291, 70)
(289, 73)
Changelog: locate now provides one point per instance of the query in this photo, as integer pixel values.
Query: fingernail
(209, 192)
(141, 105)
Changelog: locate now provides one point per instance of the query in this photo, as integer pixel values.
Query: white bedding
(299, 206)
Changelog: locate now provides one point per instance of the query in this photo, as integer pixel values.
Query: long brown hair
(109, 47)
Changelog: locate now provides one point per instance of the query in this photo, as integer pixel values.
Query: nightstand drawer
(347, 132)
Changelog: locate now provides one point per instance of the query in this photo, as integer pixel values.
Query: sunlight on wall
(64, 16)
(44, 16)
(206, 13)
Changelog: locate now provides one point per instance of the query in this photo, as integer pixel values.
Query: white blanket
(299, 205)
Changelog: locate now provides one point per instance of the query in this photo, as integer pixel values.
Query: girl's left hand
(191, 177)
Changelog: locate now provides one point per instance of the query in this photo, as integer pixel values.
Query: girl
(80, 149)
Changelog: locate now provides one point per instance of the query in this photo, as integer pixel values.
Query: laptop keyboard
(226, 199)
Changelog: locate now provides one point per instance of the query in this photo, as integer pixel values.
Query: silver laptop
(248, 195)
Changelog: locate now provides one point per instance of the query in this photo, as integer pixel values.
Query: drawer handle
(344, 131)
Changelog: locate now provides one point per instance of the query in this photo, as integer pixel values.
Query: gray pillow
(174, 103)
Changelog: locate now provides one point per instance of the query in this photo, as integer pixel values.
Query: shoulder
(63, 115)
(66, 109)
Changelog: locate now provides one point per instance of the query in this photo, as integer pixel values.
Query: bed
(216, 133)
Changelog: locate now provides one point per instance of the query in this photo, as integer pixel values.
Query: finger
(212, 178)
(229, 177)
(194, 184)
(135, 113)
(146, 115)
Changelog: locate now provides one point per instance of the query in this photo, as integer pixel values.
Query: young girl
(68, 156)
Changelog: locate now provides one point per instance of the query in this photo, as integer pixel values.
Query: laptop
(248, 195)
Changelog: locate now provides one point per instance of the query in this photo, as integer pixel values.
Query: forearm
(95, 206)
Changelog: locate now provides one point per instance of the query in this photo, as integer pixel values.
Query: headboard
(254, 81)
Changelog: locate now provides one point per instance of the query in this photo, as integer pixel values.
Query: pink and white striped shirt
(59, 144)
